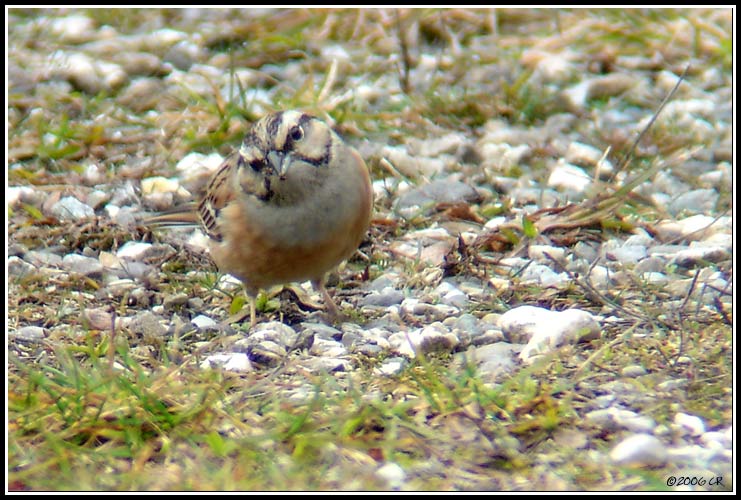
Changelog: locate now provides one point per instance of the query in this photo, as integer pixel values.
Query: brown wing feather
(218, 194)
(205, 212)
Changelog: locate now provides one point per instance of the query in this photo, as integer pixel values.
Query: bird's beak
(280, 162)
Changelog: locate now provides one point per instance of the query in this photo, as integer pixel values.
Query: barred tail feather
(182, 216)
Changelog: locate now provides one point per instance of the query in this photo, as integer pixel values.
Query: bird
(290, 204)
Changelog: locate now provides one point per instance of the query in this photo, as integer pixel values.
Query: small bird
(289, 205)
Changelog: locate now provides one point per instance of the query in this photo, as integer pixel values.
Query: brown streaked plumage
(291, 204)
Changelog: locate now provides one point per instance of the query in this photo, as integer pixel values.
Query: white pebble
(393, 474)
(391, 367)
(630, 254)
(74, 28)
(159, 184)
(194, 165)
(234, 361)
(544, 330)
(569, 177)
(327, 348)
(546, 253)
(501, 157)
(30, 334)
(203, 322)
(715, 439)
(70, 207)
(694, 425)
(639, 450)
(588, 156)
(543, 275)
(80, 264)
(133, 250)
(633, 371)
(18, 194)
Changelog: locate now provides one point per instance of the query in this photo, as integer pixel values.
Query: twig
(629, 155)
(406, 61)
(112, 341)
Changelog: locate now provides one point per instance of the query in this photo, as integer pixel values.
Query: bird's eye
(257, 165)
(296, 133)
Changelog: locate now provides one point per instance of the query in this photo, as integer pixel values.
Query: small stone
(438, 191)
(148, 325)
(391, 367)
(613, 419)
(501, 157)
(327, 348)
(569, 177)
(697, 201)
(387, 279)
(545, 254)
(233, 361)
(385, 298)
(335, 52)
(86, 266)
(160, 184)
(714, 439)
(184, 54)
(673, 384)
(29, 334)
(633, 371)
(429, 148)
(204, 322)
(18, 267)
(598, 87)
(326, 364)
(43, 258)
(432, 338)
(630, 254)
(16, 195)
(97, 198)
(588, 156)
(142, 94)
(369, 341)
(455, 297)
(550, 67)
(544, 330)
(693, 455)
(175, 301)
(410, 165)
(655, 278)
(571, 438)
(639, 450)
(416, 307)
(493, 362)
(73, 29)
(690, 423)
(698, 254)
(321, 331)
(543, 275)
(133, 250)
(98, 318)
(269, 343)
(87, 74)
(651, 264)
(70, 208)
(634, 422)
(393, 474)
(196, 165)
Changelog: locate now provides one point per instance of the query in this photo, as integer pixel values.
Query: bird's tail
(181, 216)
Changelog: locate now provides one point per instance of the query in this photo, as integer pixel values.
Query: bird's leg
(329, 303)
(241, 314)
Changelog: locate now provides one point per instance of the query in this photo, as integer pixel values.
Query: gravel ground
(500, 236)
